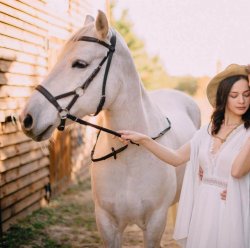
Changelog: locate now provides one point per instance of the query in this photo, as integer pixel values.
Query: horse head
(82, 82)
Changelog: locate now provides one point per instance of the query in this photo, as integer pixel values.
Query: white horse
(136, 188)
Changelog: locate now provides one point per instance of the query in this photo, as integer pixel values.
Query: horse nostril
(28, 122)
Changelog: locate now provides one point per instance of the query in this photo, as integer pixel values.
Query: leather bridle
(64, 113)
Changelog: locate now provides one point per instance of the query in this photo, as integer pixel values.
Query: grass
(67, 222)
(31, 228)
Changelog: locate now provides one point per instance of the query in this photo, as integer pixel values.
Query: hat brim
(232, 70)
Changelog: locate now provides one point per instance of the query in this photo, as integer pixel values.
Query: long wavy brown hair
(221, 102)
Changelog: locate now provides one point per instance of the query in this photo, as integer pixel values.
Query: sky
(192, 36)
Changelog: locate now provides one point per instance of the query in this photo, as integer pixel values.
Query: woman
(222, 150)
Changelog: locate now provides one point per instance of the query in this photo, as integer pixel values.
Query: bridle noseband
(64, 113)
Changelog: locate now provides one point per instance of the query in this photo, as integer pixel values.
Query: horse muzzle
(30, 129)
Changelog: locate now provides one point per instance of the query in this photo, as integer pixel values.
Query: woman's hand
(200, 173)
(133, 136)
(223, 195)
(168, 155)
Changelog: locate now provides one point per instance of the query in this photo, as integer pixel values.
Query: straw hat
(231, 70)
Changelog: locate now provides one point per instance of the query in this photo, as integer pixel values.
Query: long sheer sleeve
(236, 230)
(190, 183)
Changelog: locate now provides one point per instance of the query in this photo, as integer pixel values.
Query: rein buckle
(79, 91)
(63, 114)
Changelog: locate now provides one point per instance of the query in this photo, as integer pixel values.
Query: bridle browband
(64, 113)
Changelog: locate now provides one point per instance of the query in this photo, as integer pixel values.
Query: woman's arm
(173, 157)
(241, 165)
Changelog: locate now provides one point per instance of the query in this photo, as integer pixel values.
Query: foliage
(31, 231)
(75, 216)
(150, 68)
(187, 84)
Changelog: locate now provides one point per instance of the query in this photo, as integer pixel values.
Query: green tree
(153, 74)
(150, 68)
(187, 84)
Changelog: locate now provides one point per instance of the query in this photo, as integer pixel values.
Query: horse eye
(79, 64)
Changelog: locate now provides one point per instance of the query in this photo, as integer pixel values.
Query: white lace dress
(203, 219)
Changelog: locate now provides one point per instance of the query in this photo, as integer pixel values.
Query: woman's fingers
(132, 136)
(119, 138)
(223, 195)
(200, 173)
(127, 135)
(124, 141)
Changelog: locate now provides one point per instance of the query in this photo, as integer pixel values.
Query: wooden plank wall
(82, 141)
(29, 30)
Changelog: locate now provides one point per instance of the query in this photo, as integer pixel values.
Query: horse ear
(101, 25)
(88, 19)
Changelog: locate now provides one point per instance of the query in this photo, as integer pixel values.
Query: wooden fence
(30, 34)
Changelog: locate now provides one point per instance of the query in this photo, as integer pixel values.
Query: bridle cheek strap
(110, 56)
(49, 97)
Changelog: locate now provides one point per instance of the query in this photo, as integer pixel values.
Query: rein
(64, 113)
(114, 152)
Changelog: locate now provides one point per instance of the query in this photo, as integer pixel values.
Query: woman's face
(238, 100)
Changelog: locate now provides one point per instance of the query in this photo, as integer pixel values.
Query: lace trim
(215, 182)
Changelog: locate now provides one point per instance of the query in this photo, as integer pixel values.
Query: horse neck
(133, 108)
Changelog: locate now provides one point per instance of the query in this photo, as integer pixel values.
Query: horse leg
(154, 230)
(108, 228)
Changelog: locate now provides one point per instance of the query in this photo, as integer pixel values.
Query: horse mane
(82, 31)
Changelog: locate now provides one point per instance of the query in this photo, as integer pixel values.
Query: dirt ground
(83, 237)
(68, 222)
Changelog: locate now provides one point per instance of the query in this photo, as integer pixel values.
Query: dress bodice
(218, 165)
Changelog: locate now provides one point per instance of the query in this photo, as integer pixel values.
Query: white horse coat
(136, 187)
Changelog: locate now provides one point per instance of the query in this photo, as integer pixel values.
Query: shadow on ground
(68, 222)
